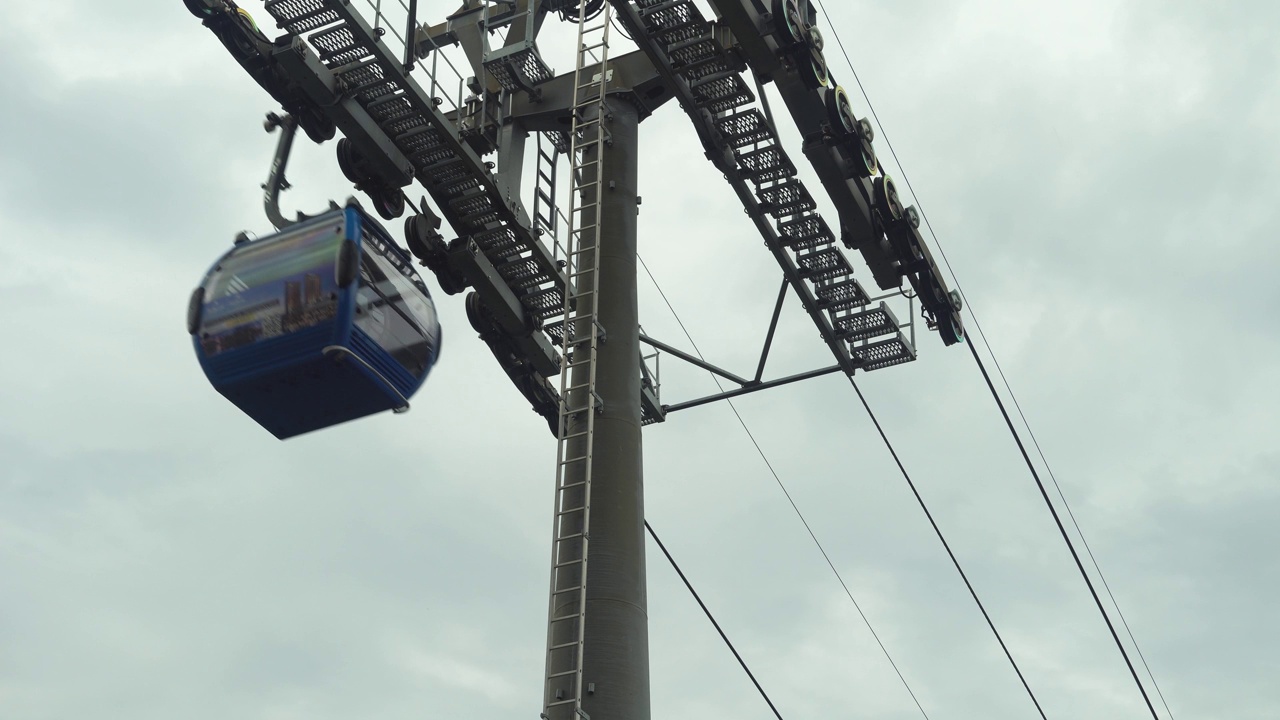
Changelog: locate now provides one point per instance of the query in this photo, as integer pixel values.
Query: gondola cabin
(323, 322)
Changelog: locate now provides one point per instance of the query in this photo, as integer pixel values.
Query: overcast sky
(1104, 178)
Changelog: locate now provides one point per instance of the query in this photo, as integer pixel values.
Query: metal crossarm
(741, 141)
(365, 88)
(580, 336)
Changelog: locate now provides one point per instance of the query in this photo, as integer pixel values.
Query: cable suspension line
(785, 492)
(1061, 528)
(764, 100)
(1000, 370)
(712, 618)
(947, 546)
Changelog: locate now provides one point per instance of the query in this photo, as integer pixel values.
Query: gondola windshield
(271, 288)
(394, 311)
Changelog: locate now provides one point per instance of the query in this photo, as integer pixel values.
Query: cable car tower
(553, 293)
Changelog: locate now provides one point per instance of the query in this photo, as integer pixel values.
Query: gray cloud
(1103, 178)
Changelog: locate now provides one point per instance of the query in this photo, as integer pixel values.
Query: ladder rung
(562, 646)
(574, 536)
(562, 591)
(562, 673)
(562, 513)
(574, 435)
(562, 702)
(579, 458)
(573, 485)
(562, 618)
(567, 563)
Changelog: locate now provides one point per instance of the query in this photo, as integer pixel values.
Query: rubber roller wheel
(887, 201)
(389, 202)
(315, 124)
(951, 329)
(789, 23)
(813, 69)
(865, 131)
(351, 164)
(870, 164)
(840, 112)
(415, 236)
(197, 8)
(476, 315)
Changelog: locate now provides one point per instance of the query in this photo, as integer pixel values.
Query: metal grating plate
(367, 80)
(867, 324)
(546, 303)
(766, 164)
(500, 243)
(392, 108)
(298, 16)
(448, 172)
(786, 199)
(744, 128)
(823, 262)
(339, 46)
(696, 57)
(884, 353)
(838, 294)
(523, 274)
(805, 231)
(671, 18)
(518, 68)
(722, 94)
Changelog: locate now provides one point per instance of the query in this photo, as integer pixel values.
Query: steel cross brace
(746, 386)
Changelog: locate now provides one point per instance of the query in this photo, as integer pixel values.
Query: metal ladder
(544, 188)
(581, 335)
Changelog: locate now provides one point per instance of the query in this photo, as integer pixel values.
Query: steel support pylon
(597, 631)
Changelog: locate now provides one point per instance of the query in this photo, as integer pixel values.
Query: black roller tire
(350, 164)
(813, 38)
(315, 124)
(389, 202)
(887, 201)
(840, 112)
(476, 315)
(951, 329)
(870, 164)
(197, 8)
(813, 68)
(415, 238)
(788, 23)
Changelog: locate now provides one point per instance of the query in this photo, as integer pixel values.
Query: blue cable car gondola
(323, 322)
